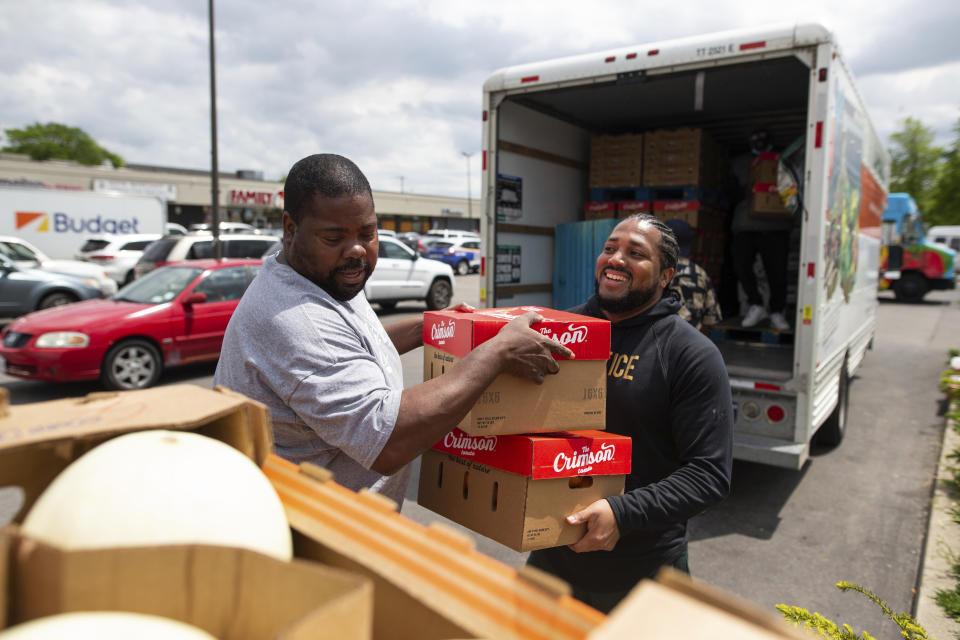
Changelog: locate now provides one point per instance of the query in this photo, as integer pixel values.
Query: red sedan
(172, 316)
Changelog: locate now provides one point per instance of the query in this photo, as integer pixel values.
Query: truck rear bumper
(777, 453)
(943, 283)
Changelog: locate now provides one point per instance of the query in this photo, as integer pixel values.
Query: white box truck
(59, 221)
(540, 121)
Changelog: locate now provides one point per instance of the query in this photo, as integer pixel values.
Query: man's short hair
(323, 174)
(667, 246)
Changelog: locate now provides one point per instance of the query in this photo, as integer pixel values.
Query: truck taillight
(101, 258)
(775, 413)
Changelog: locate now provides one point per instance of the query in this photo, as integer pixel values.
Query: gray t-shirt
(327, 370)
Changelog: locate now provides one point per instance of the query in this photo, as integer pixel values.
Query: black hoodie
(667, 388)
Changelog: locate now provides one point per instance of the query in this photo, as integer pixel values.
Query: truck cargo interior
(727, 103)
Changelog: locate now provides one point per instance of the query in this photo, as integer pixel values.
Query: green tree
(945, 204)
(914, 162)
(55, 141)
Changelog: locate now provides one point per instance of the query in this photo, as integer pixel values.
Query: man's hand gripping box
(518, 489)
(571, 400)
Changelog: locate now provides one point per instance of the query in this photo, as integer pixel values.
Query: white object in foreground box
(573, 399)
(518, 489)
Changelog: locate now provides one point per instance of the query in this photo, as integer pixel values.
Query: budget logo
(25, 218)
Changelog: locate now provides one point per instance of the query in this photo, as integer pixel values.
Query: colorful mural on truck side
(843, 205)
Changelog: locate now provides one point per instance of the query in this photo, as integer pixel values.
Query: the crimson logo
(442, 331)
(467, 443)
(585, 458)
(573, 335)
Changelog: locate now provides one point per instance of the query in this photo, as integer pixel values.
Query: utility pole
(214, 171)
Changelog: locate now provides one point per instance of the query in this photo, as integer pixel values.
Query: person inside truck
(691, 282)
(667, 388)
(305, 342)
(752, 235)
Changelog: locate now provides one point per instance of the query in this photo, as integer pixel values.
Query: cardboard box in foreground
(677, 607)
(573, 399)
(517, 489)
(38, 440)
(429, 582)
(233, 594)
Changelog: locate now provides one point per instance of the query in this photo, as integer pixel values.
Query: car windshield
(17, 251)
(161, 285)
(159, 250)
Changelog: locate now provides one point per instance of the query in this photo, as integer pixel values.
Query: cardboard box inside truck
(38, 440)
(518, 489)
(573, 399)
(233, 594)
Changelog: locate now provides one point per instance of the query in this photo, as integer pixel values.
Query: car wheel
(911, 287)
(132, 364)
(388, 306)
(56, 299)
(463, 268)
(439, 295)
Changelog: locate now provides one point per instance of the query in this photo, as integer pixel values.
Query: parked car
(197, 247)
(25, 255)
(225, 228)
(26, 289)
(447, 234)
(413, 240)
(174, 229)
(116, 254)
(390, 233)
(172, 316)
(463, 254)
(401, 274)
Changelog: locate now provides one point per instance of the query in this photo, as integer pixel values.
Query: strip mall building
(244, 195)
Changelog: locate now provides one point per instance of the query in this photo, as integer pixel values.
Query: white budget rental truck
(59, 221)
(572, 144)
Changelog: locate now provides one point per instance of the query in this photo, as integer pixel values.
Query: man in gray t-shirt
(305, 342)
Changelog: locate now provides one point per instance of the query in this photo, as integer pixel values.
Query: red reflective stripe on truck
(765, 386)
(811, 269)
(653, 52)
(631, 56)
(484, 160)
(818, 139)
(529, 79)
(753, 45)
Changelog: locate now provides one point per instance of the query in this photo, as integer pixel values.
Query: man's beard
(338, 292)
(635, 299)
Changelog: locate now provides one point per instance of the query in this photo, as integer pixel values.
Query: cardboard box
(677, 607)
(571, 400)
(765, 199)
(233, 594)
(599, 210)
(38, 440)
(429, 582)
(518, 489)
(698, 215)
(630, 207)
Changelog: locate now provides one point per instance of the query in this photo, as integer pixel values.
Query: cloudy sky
(393, 84)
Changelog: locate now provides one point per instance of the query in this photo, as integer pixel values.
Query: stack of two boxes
(526, 455)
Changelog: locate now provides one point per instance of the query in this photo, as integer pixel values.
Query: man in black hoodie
(667, 388)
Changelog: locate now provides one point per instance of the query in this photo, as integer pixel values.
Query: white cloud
(393, 84)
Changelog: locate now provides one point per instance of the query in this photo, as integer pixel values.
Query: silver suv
(196, 247)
